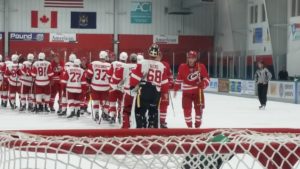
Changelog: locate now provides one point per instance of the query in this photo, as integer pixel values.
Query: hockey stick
(171, 100)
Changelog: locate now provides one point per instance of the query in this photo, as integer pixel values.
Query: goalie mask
(154, 50)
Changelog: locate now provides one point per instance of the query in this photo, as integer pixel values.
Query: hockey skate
(52, 110)
(262, 107)
(46, 109)
(71, 115)
(78, 113)
(22, 108)
(112, 120)
(39, 108)
(62, 113)
(163, 125)
(96, 118)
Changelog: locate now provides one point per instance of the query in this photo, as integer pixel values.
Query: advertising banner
(165, 39)
(235, 86)
(141, 12)
(21, 36)
(223, 85)
(248, 87)
(62, 37)
(283, 90)
(213, 85)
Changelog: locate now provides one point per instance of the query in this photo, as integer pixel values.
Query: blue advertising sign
(141, 12)
(21, 36)
(235, 86)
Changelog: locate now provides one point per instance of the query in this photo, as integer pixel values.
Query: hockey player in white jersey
(12, 74)
(42, 73)
(74, 81)
(116, 94)
(26, 84)
(97, 72)
(64, 103)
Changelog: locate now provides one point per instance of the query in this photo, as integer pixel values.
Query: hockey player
(64, 103)
(85, 97)
(150, 78)
(4, 86)
(12, 73)
(116, 93)
(42, 73)
(2, 67)
(57, 66)
(164, 99)
(26, 83)
(97, 72)
(121, 79)
(140, 58)
(74, 81)
(194, 79)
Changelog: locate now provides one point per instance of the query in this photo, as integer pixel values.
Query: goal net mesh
(151, 149)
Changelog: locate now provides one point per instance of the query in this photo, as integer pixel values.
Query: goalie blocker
(151, 77)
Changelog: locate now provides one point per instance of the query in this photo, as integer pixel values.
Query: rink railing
(285, 91)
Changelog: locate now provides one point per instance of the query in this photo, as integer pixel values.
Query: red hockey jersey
(42, 72)
(2, 71)
(169, 74)
(57, 68)
(189, 79)
(150, 71)
(74, 79)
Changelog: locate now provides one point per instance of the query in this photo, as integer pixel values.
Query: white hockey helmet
(72, 57)
(30, 57)
(1, 57)
(103, 55)
(140, 58)
(42, 56)
(77, 62)
(123, 56)
(14, 58)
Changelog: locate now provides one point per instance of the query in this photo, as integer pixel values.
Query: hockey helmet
(103, 55)
(77, 62)
(30, 57)
(123, 56)
(72, 57)
(14, 57)
(42, 56)
(192, 54)
(140, 58)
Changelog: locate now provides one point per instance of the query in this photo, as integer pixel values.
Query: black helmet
(154, 50)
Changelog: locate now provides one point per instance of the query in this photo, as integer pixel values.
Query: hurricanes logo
(193, 76)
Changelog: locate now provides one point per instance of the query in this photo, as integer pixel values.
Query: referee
(262, 78)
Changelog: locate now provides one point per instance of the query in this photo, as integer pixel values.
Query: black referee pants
(262, 90)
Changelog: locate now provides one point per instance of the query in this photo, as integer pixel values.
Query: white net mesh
(211, 149)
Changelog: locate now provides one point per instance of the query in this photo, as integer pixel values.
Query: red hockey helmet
(192, 54)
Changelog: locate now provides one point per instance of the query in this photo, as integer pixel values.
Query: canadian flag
(44, 19)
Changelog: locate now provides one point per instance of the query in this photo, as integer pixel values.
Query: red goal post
(151, 148)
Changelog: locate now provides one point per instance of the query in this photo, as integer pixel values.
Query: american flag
(64, 3)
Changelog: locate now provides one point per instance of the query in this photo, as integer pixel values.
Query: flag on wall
(44, 19)
(83, 20)
(64, 3)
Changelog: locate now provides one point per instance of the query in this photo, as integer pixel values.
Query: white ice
(221, 112)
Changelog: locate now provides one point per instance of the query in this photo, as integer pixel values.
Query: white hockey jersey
(26, 78)
(74, 78)
(12, 73)
(42, 72)
(97, 71)
(2, 69)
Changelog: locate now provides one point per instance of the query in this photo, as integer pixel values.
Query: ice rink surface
(221, 112)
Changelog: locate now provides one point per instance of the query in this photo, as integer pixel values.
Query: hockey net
(151, 149)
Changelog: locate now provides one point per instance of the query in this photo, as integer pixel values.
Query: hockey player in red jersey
(97, 72)
(121, 79)
(164, 98)
(64, 103)
(85, 97)
(192, 79)
(116, 93)
(12, 74)
(2, 82)
(26, 84)
(74, 81)
(57, 66)
(151, 78)
(42, 73)
(4, 86)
